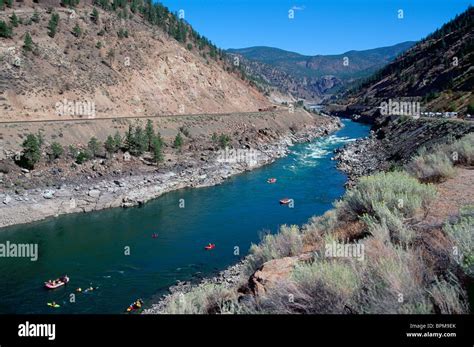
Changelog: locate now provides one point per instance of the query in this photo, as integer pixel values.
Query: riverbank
(198, 166)
(393, 143)
(246, 288)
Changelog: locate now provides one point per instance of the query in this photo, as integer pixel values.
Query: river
(114, 249)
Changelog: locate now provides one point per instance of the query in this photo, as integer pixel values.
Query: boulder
(94, 193)
(273, 272)
(7, 200)
(48, 194)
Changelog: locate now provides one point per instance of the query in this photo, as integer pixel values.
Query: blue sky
(319, 26)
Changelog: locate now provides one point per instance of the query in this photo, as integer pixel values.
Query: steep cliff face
(122, 61)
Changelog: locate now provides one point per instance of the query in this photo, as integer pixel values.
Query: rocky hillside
(394, 143)
(87, 58)
(437, 72)
(312, 77)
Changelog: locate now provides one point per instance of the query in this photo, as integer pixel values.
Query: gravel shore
(40, 203)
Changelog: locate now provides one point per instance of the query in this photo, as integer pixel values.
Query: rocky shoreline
(228, 278)
(362, 157)
(38, 204)
(394, 142)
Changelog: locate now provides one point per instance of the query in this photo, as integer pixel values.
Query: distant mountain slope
(313, 77)
(437, 71)
(128, 58)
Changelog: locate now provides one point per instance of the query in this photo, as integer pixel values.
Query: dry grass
(462, 234)
(204, 299)
(438, 165)
(286, 243)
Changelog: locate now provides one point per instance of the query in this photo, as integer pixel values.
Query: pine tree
(157, 148)
(93, 146)
(129, 138)
(31, 151)
(53, 24)
(117, 141)
(5, 30)
(150, 133)
(109, 145)
(178, 141)
(95, 16)
(14, 20)
(140, 143)
(28, 43)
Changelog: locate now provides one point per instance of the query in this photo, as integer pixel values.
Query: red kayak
(210, 246)
(271, 180)
(285, 201)
(57, 283)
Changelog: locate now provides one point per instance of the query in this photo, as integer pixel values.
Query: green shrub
(390, 224)
(317, 227)
(122, 33)
(434, 167)
(392, 281)
(438, 165)
(77, 31)
(224, 141)
(396, 190)
(83, 156)
(324, 286)
(56, 150)
(73, 151)
(221, 140)
(462, 234)
(462, 150)
(204, 299)
(287, 242)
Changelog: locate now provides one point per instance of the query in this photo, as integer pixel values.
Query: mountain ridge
(437, 72)
(312, 77)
